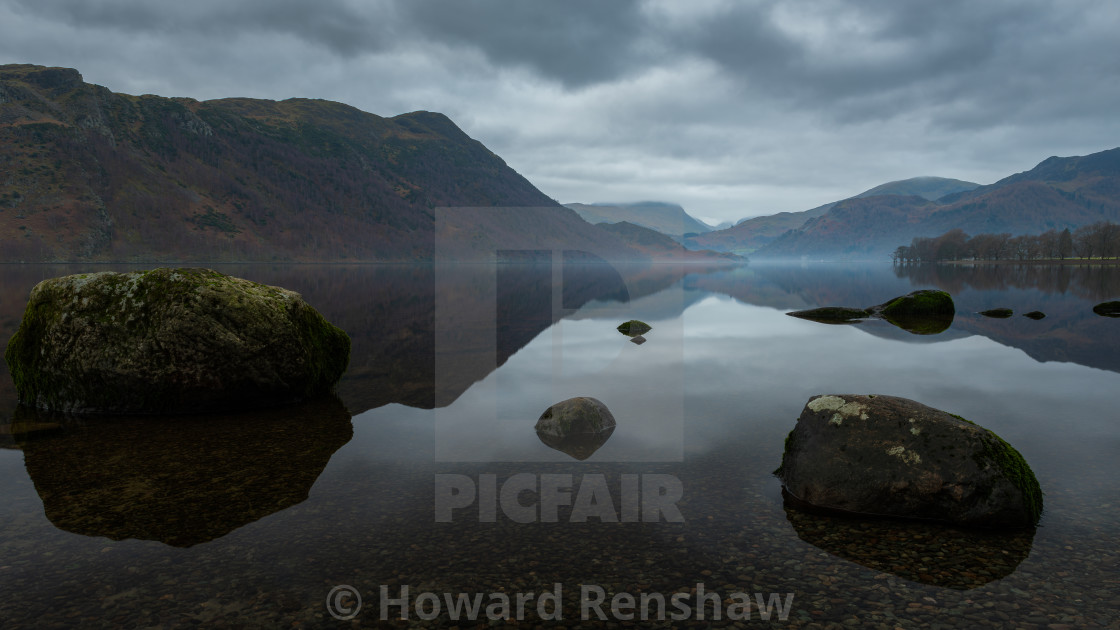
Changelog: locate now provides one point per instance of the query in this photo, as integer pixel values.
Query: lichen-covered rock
(576, 426)
(888, 456)
(998, 313)
(1108, 309)
(633, 328)
(170, 341)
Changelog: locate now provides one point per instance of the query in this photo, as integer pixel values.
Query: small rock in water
(1035, 314)
(1000, 313)
(633, 328)
(1108, 309)
(639, 340)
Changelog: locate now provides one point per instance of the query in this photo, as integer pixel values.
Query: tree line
(1097, 240)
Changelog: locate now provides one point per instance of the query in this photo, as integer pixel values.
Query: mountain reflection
(424, 334)
(178, 480)
(929, 553)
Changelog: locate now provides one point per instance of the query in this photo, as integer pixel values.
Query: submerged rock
(576, 426)
(999, 313)
(831, 314)
(1108, 309)
(888, 456)
(929, 553)
(633, 328)
(179, 480)
(1036, 315)
(170, 341)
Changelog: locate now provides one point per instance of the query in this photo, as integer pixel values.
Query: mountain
(657, 245)
(751, 234)
(667, 218)
(927, 187)
(87, 174)
(1056, 194)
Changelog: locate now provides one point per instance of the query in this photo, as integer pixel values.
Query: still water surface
(249, 520)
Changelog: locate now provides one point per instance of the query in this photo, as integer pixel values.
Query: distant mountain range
(667, 218)
(91, 175)
(752, 234)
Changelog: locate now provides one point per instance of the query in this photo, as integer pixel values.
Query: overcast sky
(730, 108)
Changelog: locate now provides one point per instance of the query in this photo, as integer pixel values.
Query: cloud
(730, 108)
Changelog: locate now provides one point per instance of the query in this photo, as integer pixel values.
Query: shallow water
(250, 521)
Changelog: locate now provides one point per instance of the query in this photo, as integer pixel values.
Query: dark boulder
(998, 313)
(924, 312)
(576, 426)
(1036, 315)
(888, 456)
(1108, 309)
(170, 341)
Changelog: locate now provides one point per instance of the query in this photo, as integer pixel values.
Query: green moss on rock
(170, 341)
(925, 302)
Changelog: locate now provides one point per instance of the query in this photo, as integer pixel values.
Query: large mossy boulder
(170, 341)
(888, 456)
(576, 426)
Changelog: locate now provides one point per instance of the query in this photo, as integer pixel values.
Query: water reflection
(178, 480)
(928, 553)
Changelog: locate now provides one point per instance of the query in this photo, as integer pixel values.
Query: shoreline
(1075, 262)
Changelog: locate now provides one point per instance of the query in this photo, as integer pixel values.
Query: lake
(253, 520)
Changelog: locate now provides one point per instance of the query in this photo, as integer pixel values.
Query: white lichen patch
(910, 457)
(843, 408)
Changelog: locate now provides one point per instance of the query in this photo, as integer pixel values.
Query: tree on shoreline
(1097, 240)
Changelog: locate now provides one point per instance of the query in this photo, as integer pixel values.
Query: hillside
(667, 218)
(751, 234)
(1058, 193)
(91, 175)
(659, 246)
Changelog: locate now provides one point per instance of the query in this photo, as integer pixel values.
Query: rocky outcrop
(170, 341)
(888, 456)
(576, 426)
(924, 312)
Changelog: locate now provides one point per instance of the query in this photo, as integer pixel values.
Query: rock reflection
(577, 445)
(929, 553)
(179, 480)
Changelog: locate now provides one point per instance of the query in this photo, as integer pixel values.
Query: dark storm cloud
(731, 107)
